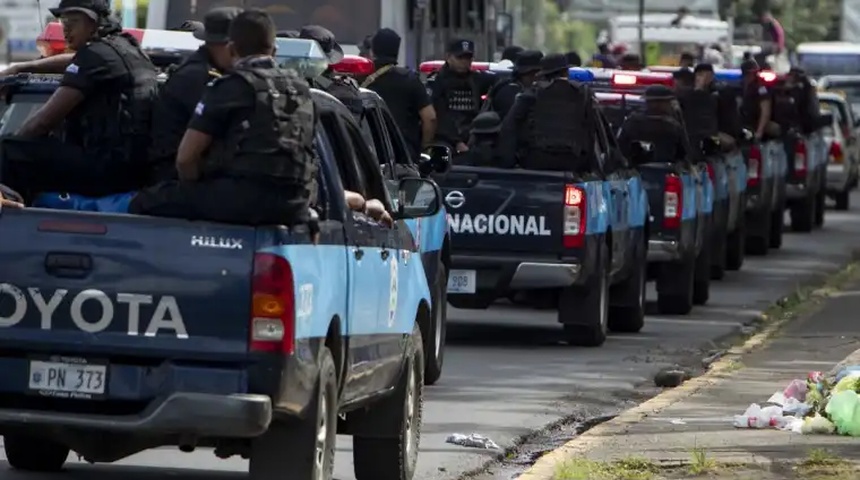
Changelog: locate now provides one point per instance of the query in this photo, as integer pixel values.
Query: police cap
(512, 53)
(659, 93)
(487, 122)
(704, 67)
(461, 47)
(94, 9)
(325, 38)
(553, 64)
(684, 74)
(216, 25)
(528, 62)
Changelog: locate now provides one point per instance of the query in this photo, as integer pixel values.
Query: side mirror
(710, 146)
(643, 152)
(417, 197)
(435, 159)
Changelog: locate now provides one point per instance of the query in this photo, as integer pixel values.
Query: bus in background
(829, 58)
(426, 26)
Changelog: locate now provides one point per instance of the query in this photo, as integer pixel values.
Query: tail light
(836, 155)
(574, 216)
(273, 305)
(754, 170)
(673, 201)
(800, 159)
(711, 173)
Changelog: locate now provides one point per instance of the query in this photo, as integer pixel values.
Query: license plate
(68, 378)
(461, 281)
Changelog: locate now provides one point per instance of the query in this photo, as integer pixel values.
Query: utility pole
(642, 31)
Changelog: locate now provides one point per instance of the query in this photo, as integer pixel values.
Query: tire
(590, 303)
(31, 454)
(819, 209)
(842, 200)
(294, 446)
(759, 244)
(392, 455)
(677, 302)
(702, 276)
(803, 215)
(777, 225)
(735, 247)
(434, 332)
(630, 317)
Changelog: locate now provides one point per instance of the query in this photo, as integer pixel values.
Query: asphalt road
(507, 374)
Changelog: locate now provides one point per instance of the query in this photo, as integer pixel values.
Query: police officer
(246, 156)
(341, 87)
(403, 92)
(456, 93)
(687, 60)
(483, 144)
(805, 98)
(509, 56)
(183, 89)
(502, 95)
(684, 78)
(551, 126)
(104, 105)
(727, 119)
(756, 101)
(573, 59)
(657, 125)
(700, 107)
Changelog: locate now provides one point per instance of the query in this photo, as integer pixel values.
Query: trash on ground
(671, 377)
(473, 440)
(818, 405)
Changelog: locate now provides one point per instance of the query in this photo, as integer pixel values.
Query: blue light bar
(728, 75)
(581, 75)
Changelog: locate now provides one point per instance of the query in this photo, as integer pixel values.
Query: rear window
(16, 113)
(838, 107)
(820, 64)
(828, 130)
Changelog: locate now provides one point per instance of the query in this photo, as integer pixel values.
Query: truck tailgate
(124, 285)
(505, 210)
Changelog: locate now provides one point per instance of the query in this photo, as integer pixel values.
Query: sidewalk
(694, 435)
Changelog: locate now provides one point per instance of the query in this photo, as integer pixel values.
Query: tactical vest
(462, 95)
(275, 140)
(560, 122)
(345, 89)
(117, 123)
(701, 113)
(785, 111)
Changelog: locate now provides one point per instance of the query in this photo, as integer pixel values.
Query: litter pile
(818, 405)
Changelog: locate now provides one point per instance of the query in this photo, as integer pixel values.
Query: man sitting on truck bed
(104, 102)
(657, 126)
(551, 126)
(260, 169)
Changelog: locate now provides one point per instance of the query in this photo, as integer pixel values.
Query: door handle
(384, 254)
(359, 253)
(68, 265)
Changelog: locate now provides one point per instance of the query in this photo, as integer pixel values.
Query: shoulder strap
(375, 75)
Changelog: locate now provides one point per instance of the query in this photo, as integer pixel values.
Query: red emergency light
(611, 98)
(641, 79)
(354, 65)
(434, 66)
(52, 41)
(767, 76)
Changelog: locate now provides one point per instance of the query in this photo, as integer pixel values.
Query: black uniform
(699, 110)
(259, 169)
(341, 87)
(504, 93)
(106, 136)
(457, 100)
(663, 131)
(483, 144)
(751, 97)
(405, 96)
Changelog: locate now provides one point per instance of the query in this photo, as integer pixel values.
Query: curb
(546, 466)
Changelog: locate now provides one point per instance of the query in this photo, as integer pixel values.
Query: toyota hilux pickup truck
(123, 333)
(843, 163)
(576, 242)
(678, 256)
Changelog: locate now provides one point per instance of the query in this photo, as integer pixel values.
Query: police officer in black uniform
(701, 110)
(657, 125)
(502, 95)
(805, 98)
(684, 79)
(183, 89)
(727, 117)
(484, 142)
(104, 105)
(551, 126)
(756, 101)
(456, 93)
(246, 157)
(341, 87)
(402, 90)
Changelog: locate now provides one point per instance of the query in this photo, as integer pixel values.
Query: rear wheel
(629, 317)
(803, 215)
(303, 448)
(777, 224)
(842, 200)
(34, 454)
(392, 453)
(735, 246)
(759, 244)
(702, 278)
(676, 297)
(819, 208)
(434, 332)
(584, 311)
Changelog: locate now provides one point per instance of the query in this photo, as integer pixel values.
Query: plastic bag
(852, 369)
(757, 417)
(850, 382)
(796, 389)
(816, 425)
(844, 410)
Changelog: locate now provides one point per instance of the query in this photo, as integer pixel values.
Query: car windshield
(17, 112)
(820, 64)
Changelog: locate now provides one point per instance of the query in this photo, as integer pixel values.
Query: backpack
(563, 118)
(346, 90)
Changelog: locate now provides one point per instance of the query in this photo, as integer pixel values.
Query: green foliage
(561, 34)
(803, 20)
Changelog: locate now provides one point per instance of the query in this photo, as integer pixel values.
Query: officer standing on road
(550, 126)
(756, 101)
(246, 156)
(341, 87)
(502, 95)
(403, 92)
(183, 89)
(484, 142)
(658, 126)
(456, 93)
(104, 103)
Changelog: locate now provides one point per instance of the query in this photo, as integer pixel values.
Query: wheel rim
(409, 430)
(322, 438)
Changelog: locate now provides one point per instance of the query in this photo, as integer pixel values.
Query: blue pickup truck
(124, 333)
(680, 195)
(577, 242)
(431, 232)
